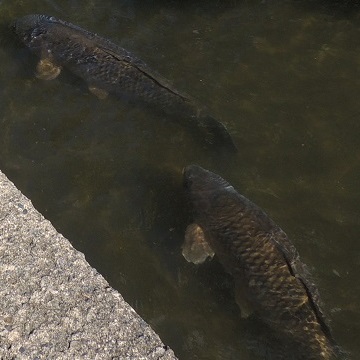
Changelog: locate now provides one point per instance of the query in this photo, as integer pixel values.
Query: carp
(109, 69)
(270, 280)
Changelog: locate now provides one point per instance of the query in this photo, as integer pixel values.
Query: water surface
(282, 75)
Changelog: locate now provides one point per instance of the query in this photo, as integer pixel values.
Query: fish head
(199, 180)
(204, 189)
(31, 27)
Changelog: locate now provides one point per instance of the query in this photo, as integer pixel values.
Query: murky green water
(284, 76)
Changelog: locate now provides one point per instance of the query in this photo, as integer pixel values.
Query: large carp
(108, 68)
(270, 279)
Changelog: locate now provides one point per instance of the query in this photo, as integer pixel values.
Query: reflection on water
(282, 75)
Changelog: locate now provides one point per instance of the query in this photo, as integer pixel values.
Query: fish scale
(109, 69)
(270, 279)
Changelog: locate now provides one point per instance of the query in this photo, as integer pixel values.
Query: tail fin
(215, 133)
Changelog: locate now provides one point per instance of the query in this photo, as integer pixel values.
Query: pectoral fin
(46, 70)
(195, 248)
(99, 93)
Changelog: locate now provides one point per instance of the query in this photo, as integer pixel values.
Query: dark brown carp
(270, 280)
(109, 69)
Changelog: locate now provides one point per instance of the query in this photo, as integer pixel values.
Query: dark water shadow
(337, 8)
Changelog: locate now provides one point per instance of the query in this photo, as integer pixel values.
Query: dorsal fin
(300, 271)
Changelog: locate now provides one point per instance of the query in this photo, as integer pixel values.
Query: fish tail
(215, 133)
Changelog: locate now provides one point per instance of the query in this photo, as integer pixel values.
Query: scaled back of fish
(108, 68)
(270, 279)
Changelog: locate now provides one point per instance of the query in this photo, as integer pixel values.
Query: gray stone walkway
(53, 305)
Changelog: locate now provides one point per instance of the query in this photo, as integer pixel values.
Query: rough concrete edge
(54, 305)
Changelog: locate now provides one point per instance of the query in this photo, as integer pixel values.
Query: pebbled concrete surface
(53, 305)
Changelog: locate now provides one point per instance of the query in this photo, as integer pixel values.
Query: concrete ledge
(53, 305)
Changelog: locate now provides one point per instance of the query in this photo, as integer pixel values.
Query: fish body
(109, 69)
(270, 279)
